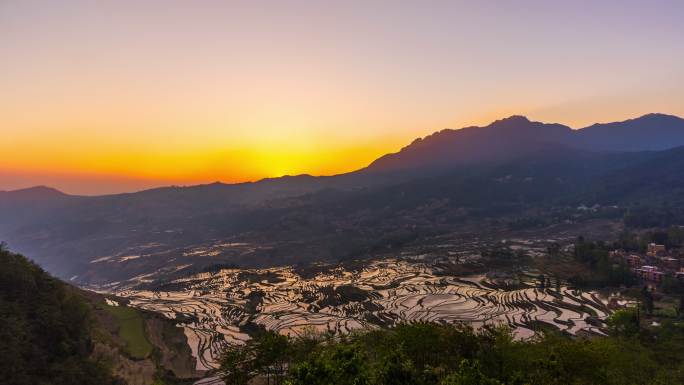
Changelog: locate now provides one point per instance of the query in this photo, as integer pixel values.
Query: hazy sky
(106, 96)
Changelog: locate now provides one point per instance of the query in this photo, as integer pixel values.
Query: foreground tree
(469, 374)
(237, 364)
(271, 356)
(432, 354)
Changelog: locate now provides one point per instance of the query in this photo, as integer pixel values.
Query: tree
(422, 342)
(469, 373)
(397, 369)
(624, 322)
(647, 298)
(542, 281)
(671, 284)
(554, 249)
(271, 352)
(237, 364)
(340, 364)
(434, 354)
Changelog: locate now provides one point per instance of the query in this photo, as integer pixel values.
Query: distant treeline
(649, 216)
(433, 354)
(672, 237)
(605, 272)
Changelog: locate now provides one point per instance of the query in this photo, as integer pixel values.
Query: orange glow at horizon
(150, 165)
(111, 96)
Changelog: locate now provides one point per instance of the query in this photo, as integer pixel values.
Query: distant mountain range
(516, 136)
(507, 139)
(513, 168)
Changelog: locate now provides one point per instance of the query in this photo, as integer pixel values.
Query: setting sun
(181, 94)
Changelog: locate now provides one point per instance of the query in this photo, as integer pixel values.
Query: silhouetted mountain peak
(658, 115)
(503, 139)
(511, 121)
(527, 130)
(651, 118)
(517, 136)
(648, 132)
(34, 193)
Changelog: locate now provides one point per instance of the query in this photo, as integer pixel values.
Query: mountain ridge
(35, 191)
(96, 241)
(595, 137)
(505, 139)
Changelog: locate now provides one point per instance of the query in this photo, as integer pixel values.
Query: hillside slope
(53, 333)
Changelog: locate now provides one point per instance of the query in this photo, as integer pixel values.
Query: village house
(618, 253)
(649, 273)
(680, 274)
(655, 250)
(670, 263)
(634, 260)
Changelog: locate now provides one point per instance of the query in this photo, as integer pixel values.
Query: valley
(341, 193)
(474, 226)
(225, 306)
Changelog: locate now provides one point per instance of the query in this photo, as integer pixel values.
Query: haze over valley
(454, 181)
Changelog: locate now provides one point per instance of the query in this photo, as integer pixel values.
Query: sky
(110, 96)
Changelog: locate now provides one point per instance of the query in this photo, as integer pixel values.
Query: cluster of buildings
(654, 265)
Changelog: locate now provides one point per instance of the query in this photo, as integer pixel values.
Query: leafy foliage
(45, 333)
(433, 354)
(605, 272)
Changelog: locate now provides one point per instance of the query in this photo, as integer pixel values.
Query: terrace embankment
(222, 307)
(141, 346)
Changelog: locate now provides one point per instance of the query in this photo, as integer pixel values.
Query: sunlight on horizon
(111, 96)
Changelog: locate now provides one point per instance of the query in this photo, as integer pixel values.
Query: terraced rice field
(131, 330)
(217, 308)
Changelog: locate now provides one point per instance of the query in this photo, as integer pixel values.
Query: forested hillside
(45, 336)
(53, 333)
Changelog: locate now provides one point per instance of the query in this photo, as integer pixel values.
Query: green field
(131, 329)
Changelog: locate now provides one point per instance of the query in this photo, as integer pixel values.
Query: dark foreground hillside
(432, 354)
(45, 336)
(53, 333)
